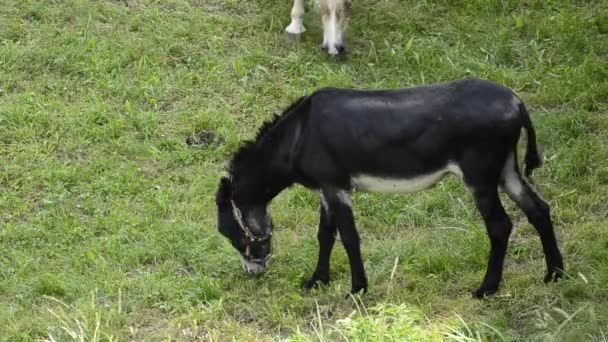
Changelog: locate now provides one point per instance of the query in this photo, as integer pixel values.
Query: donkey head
(246, 225)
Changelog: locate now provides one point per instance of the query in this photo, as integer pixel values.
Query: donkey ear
(224, 192)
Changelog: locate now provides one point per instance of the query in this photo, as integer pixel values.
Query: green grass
(107, 217)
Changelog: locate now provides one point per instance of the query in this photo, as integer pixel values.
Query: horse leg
(296, 27)
(334, 18)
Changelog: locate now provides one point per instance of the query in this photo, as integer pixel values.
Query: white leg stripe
(513, 183)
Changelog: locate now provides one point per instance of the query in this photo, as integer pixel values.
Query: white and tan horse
(334, 15)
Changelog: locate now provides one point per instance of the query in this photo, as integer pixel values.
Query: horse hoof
(335, 51)
(293, 37)
(339, 50)
(293, 32)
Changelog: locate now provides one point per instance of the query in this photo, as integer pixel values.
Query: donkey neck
(281, 150)
(266, 168)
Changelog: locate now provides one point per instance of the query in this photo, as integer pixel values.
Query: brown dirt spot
(204, 138)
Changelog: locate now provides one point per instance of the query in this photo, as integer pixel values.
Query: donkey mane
(249, 146)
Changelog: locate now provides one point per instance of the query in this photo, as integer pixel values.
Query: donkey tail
(533, 157)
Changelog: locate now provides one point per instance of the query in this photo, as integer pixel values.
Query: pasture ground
(116, 118)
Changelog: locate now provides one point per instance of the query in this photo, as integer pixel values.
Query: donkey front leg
(499, 228)
(296, 27)
(326, 237)
(340, 207)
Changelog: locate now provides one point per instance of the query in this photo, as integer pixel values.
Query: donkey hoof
(358, 289)
(314, 282)
(481, 293)
(355, 292)
(553, 275)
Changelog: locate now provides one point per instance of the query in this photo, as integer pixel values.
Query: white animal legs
(296, 27)
(334, 15)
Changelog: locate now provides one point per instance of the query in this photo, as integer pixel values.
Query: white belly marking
(371, 183)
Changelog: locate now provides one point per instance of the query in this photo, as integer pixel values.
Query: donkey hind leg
(338, 202)
(296, 27)
(538, 213)
(326, 237)
(499, 227)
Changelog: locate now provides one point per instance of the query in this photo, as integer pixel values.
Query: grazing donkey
(334, 14)
(338, 140)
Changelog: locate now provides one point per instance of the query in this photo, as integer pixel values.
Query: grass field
(116, 122)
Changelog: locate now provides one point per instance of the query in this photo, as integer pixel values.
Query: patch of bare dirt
(204, 138)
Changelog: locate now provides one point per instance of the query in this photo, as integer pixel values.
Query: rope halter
(238, 216)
